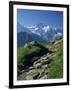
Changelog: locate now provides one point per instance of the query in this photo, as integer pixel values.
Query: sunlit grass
(56, 68)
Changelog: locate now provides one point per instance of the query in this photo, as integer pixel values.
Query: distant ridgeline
(39, 33)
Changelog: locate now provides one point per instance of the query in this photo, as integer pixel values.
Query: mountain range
(40, 32)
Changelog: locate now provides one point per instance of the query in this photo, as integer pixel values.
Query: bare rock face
(44, 58)
(26, 45)
(44, 77)
(32, 74)
(29, 77)
(38, 65)
(45, 66)
(39, 70)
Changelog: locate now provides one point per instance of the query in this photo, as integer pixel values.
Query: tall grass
(56, 68)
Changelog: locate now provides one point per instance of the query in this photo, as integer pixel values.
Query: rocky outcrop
(39, 69)
(40, 66)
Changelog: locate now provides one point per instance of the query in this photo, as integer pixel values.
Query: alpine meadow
(39, 44)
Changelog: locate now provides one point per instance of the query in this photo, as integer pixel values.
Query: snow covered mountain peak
(39, 28)
(42, 30)
(46, 28)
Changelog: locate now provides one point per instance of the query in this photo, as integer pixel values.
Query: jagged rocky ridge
(40, 32)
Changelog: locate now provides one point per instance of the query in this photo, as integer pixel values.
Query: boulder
(36, 75)
(38, 65)
(44, 58)
(44, 66)
(44, 77)
(29, 77)
(38, 61)
(30, 68)
(35, 58)
(45, 62)
(33, 74)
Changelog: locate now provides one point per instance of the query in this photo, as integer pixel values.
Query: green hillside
(26, 54)
(35, 61)
(56, 66)
(22, 52)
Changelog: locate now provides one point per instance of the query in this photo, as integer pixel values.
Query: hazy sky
(32, 17)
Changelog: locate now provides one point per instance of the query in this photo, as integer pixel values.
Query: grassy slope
(22, 52)
(56, 68)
